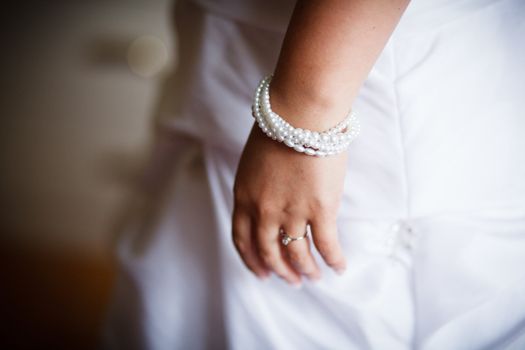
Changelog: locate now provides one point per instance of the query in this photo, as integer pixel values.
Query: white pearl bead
(309, 151)
(299, 148)
(307, 134)
(289, 143)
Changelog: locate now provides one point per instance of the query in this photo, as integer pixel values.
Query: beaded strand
(332, 141)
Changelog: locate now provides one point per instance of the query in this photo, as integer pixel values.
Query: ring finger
(268, 242)
(298, 252)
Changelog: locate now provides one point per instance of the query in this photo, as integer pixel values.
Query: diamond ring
(286, 239)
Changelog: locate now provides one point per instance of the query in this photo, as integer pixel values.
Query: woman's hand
(328, 50)
(277, 187)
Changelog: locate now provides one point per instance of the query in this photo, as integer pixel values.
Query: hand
(277, 187)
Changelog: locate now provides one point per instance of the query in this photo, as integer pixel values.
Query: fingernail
(340, 271)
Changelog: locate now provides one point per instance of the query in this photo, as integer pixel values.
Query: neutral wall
(76, 117)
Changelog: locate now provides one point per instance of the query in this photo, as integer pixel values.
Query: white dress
(433, 214)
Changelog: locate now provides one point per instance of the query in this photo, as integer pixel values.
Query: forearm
(329, 49)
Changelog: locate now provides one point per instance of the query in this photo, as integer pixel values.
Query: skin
(329, 48)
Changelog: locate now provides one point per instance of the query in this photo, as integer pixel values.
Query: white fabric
(433, 213)
(272, 15)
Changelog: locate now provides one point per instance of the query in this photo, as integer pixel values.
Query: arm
(328, 51)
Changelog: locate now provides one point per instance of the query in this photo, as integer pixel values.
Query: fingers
(258, 241)
(324, 233)
(246, 244)
(269, 244)
(298, 252)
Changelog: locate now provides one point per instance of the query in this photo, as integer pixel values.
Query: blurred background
(80, 87)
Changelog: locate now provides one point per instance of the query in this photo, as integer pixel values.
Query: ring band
(286, 239)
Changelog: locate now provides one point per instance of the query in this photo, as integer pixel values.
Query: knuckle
(327, 214)
(265, 209)
(323, 204)
(317, 204)
(295, 211)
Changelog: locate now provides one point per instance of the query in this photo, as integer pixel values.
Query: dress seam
(406, 192)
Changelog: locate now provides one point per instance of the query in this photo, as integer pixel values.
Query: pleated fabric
(433, 213)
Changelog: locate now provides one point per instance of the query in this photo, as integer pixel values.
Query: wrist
(308, 105)
(329, 141)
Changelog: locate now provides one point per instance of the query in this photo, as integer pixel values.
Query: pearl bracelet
(333, 141)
